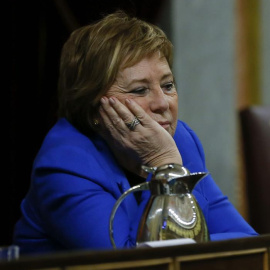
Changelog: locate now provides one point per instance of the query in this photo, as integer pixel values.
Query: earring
(96, 122)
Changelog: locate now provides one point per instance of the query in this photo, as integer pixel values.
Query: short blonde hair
(92, 57)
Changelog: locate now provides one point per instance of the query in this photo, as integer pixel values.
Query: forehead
(153, 65)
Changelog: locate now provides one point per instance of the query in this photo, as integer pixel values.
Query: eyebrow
(144, 80)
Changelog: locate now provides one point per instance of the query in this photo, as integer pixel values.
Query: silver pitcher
(172, 211)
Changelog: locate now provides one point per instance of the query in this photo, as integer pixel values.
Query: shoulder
(62, 143)
(186, 133)
(63, 133)
(67, 150)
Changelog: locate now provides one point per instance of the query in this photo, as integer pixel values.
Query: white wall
(203, 34)
(265, 10)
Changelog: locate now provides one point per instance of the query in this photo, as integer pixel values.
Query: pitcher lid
(167, 171)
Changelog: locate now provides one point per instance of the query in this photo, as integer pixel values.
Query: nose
(159, 101)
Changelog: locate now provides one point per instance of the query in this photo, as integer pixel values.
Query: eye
(168, 86)
(139, 91)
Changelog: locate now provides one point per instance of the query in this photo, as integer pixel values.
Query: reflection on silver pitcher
(172, 212)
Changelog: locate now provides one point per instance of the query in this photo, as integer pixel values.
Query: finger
(104, 117)
(124, 113)
(110, 117)
(118, 116)
(130, 121)
(139, 112)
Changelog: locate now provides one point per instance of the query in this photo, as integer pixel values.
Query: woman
(117, 111)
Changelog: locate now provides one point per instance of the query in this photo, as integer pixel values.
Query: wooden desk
(246, 253)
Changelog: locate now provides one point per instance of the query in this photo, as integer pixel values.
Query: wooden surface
(245, 253)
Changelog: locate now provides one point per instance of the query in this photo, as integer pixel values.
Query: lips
(165, 124)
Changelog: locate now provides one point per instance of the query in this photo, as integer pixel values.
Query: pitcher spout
(170, 173)
(192, 179)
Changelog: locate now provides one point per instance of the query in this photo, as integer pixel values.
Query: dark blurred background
(38, 30)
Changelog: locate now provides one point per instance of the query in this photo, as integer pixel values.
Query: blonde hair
(92, 57)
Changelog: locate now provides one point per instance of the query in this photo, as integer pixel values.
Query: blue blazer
(76, 182)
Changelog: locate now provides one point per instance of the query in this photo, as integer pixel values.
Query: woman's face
(150, 84)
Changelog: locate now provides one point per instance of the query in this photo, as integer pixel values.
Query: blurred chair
(255, 128)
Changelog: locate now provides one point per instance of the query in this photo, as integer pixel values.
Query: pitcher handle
(140, 187)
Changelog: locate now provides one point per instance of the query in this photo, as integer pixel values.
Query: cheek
(174, 114)
(173, 103)
(121, 97)
(143, 103)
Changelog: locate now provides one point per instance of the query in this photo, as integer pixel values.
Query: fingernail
(103, 100)
(111, 99)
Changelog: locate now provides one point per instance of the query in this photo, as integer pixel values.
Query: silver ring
(133, 124)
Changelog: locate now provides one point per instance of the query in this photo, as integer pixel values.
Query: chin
(172, 131)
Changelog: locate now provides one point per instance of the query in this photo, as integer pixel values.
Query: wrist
(172, 157)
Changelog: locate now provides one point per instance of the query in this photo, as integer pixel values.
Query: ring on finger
(131, 125)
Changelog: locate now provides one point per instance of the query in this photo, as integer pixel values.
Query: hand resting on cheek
(148, 144)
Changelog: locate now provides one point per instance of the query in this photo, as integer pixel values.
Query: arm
(75, 212)
(224, 221)
(222, 218)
